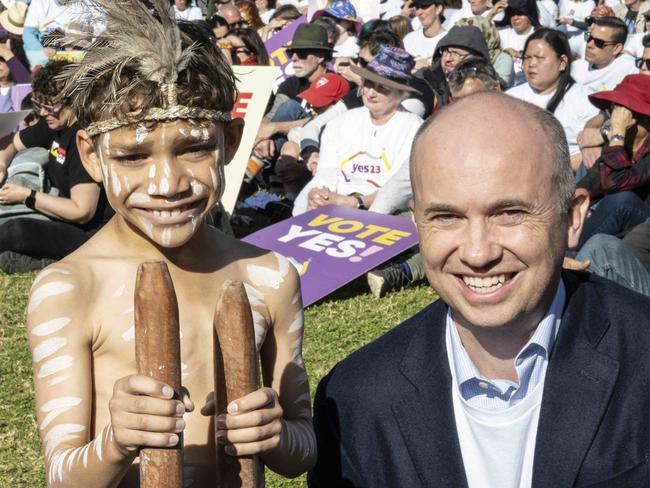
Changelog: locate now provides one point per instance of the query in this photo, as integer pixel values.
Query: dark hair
(286, 12)
(375, 25)
(646, 40)
(560, 44)
(329, 24)
(620, 29)
(470, 68)
(379, 38)
(253, 43)
(217, 21)
(207, 81)
(47, 81)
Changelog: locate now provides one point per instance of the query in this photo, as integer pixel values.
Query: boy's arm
(61, 340)
(276, 420)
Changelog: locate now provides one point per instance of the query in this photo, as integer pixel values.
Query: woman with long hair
(245, 48)
(549, 85)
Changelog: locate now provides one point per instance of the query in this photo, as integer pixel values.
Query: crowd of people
(516, 135)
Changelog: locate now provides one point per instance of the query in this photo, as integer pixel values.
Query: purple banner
(275, 46)
(333, 245)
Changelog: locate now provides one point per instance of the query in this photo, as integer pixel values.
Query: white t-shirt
(575, 10)
(266, 16)
(466, 13)
(605, 78)
(548, 12)
(357, 156)
(510, 39)
(348, 49)
(421, 46)
(48, 15)
(573, 112)
(189, 14)
(634, 44)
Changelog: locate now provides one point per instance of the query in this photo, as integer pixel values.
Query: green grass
(334, 327)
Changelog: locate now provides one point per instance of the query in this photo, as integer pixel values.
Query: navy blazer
(384, 416)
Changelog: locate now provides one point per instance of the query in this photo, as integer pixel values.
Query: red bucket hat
(632, 93)
(325, 89)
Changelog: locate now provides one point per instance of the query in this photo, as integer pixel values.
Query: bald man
(521, 374)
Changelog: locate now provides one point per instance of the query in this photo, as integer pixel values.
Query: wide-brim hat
(391, 67)
(13, 19)
(632, 93)
(310, 36)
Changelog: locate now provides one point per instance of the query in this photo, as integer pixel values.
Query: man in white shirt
(521, 375)
(605, 64)
(422, 43)
(184, 11)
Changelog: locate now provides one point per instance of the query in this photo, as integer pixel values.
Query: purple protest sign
(275, 46)
(333, 245)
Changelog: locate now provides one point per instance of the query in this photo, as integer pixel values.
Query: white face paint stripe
(115, 183)
(152, 171)
(120, 291)
(48, 347)
(47, 273)
(141, 133)
(137, 198)
(46, 291)
(51, 326)
(56, 407)
(129, 334)
(151, 189)
(54, 366)
(164, 186)
(61, 433)
(167, 236)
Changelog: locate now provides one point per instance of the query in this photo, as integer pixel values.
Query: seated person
(363, 148)
(81, 206)
(549, 85)
(520, 21)
(347, 23)
(159, 140)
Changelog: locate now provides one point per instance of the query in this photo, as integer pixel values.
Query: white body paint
(55, 365)
(47, 273)
(141, 133)
(115, 183)
(152, 171)
(47, 348)
(57, 380)
(164, 186)
(129, 335)
(50, 327)
(120, 291)
(46, 291)
(61, 433)
(138, 198)
(56, 407)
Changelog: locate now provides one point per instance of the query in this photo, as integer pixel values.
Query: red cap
(325, 89)
(632, 93)
(602, 11)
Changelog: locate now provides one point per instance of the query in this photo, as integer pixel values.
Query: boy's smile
(164, 178)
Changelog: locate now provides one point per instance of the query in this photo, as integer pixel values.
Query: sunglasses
(53, 110)
(641, 63)
(301, 53)
(599, 43)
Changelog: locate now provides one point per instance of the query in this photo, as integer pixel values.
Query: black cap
(426, 3)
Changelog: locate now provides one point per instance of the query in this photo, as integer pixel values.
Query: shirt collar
(541, 342)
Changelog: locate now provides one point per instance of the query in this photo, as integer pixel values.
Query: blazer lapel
(426, 417)
(577, 389)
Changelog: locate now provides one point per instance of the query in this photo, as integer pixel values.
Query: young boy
(156, 130)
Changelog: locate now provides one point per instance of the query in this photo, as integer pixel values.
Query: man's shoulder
(375, 363)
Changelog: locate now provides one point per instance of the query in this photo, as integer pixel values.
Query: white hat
(13, 19)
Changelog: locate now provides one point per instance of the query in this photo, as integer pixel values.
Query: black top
(64, 167)
(292, 86)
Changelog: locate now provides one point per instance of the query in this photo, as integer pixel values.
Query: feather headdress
(143, 44)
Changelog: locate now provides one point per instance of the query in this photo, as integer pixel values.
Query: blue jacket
(384, 415)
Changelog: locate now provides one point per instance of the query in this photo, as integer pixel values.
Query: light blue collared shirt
(530, 363)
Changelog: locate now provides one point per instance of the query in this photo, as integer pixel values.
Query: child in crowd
(153, 101)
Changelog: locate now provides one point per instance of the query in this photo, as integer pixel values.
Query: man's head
(309, 51)
(494, 208)
(428, 12)
(605, 41)
(644, 63)
(181, 4)
(460, 43)
(46, 96)
(156, 128)
(231, 13)
(472, 75)
(479, 6)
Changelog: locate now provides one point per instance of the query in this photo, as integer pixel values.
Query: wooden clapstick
(236, 374)
(158, 354)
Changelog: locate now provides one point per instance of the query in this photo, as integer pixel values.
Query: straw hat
(13, 19)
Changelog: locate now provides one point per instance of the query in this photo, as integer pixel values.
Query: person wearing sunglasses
(80, 208)
(605, 64)
(643, 63)
(422, 43)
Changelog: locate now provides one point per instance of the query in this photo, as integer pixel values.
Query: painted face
(379, 99)
(603, 56)
(491, 233)
(163, 179)
(542, 66)
(479, 6)
(520, 23)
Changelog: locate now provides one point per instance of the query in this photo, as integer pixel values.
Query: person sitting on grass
(157, 130)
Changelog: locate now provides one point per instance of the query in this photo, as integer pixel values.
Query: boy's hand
(252, 425)
(144, 414)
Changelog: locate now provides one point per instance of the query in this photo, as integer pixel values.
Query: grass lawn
(334, 327)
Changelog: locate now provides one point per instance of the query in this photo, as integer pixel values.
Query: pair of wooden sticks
(236, 371)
